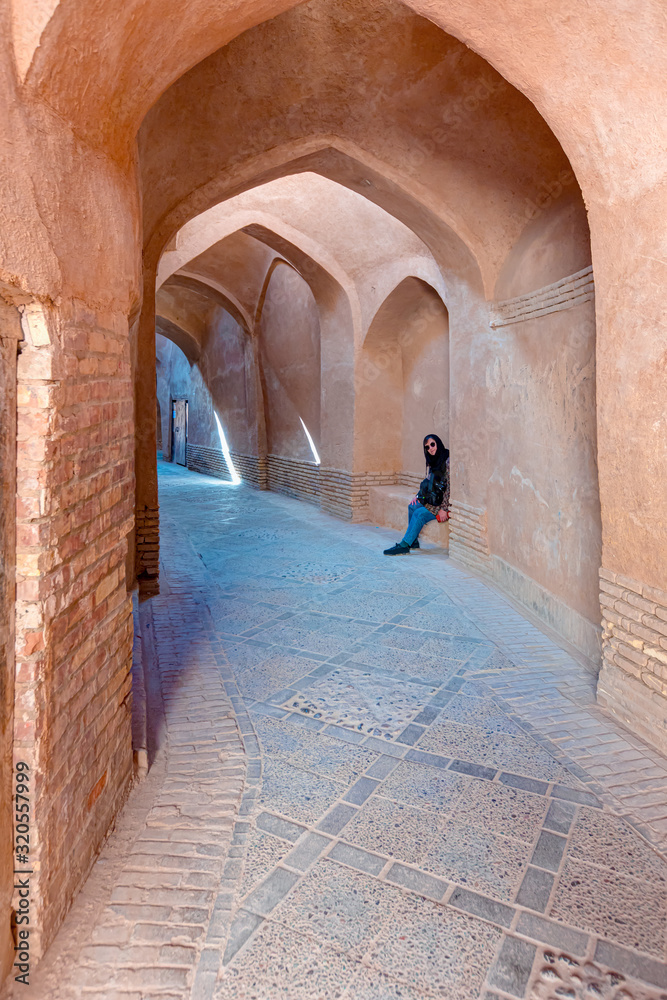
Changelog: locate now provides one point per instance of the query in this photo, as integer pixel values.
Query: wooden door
(179, 431)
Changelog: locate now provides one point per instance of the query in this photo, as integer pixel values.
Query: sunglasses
(433, 444)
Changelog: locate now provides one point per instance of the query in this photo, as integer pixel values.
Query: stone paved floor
(372, 779)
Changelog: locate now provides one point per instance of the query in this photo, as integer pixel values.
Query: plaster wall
(241, 262)
(542, 498)
(379, 406)
(339, 323)
(69, 239)
(524, 407)
(554, 242)
(334, 44)
(402, 385)
(412, 150)
(216, 383)
(187, 309)
(228, 370)
(606, 162)
(402, 379)
(614, 78)
(317, 225)
(174, 381)
(425, 386)
(74, 484)
(289, 349)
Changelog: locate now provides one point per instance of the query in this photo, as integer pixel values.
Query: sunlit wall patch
(236, 479)
(311, 443)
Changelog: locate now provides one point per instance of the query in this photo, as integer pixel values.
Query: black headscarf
(436, 463)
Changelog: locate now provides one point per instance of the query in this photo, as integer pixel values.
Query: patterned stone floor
(421, 798)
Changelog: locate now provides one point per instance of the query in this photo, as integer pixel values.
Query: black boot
(399, 549)
(415, 544)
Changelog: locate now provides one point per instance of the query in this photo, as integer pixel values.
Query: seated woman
(422, 510)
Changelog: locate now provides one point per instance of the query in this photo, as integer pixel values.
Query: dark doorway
(179, 431)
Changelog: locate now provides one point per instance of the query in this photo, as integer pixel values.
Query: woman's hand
(442, 515)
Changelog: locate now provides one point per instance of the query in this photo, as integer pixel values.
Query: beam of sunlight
(311, 443)
(236, 479)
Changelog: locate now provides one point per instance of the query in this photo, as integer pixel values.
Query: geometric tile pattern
(414, 823)
(441, 820)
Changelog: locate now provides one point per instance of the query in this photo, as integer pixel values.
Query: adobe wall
(488, 155)
(69, 240)
(74, 626)
(602, 114)
(178, 379)
(401, 389)
(286, 353)
(536, 176)
(402, 385)
(527, 510)
(222, 382)
(289, 341)
(74, 478)
(627, 254)
(425, 383)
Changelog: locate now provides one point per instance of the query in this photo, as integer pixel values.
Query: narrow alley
(289, 288)
(344, 746)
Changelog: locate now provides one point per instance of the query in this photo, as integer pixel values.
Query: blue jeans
(418, 516)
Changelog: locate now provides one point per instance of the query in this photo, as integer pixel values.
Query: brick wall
(336, 491)
(570, 291)
(345, 494)
(468, 541)
(211, 462)
(252, 469)
(633, 679)
(294, 478)
(409, 479)
(208, 461)
(147, 549)
(75, 496)
(10, 333)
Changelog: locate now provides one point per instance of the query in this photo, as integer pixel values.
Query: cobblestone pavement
(378, 781)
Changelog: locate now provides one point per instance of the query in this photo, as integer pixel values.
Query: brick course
(211, 462)
(10, 334)
(75, 487)
(294, 478)
(633, 679)
(345, 494)
(341, 493)
(570, 291)
(468, 542)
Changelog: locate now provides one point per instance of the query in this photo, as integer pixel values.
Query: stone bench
(388, 508)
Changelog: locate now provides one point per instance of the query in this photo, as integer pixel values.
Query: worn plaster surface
(372, 779)
(448, 144)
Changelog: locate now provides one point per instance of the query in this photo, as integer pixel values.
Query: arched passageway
(546, 552)
(477, 148)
